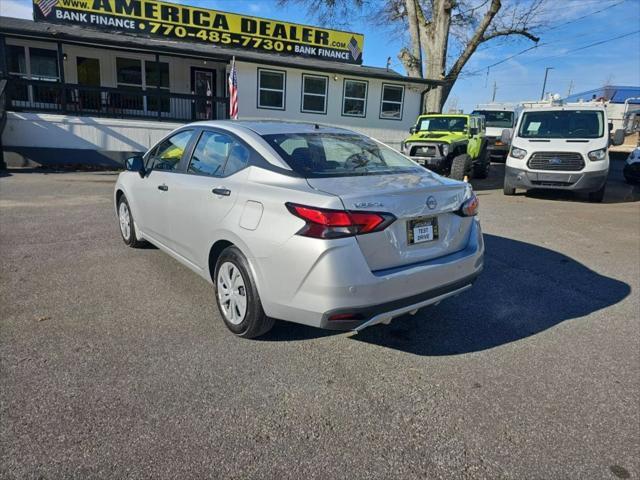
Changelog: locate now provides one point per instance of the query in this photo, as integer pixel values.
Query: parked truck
(560, 146)
(498, 116)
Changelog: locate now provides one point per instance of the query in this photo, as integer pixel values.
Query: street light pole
(544, 85)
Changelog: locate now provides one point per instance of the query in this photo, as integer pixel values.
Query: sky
(568, 27)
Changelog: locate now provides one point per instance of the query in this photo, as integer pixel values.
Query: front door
(203, 84)
(154, 192)
(88, 76)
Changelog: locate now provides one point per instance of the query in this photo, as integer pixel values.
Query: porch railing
(129, 102)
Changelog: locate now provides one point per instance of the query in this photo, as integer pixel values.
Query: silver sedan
(310, 224)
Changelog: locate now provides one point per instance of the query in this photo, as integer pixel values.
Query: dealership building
(85, 85)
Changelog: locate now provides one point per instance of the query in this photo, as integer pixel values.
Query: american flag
(354, 48)
(233, 91)
(46, 6)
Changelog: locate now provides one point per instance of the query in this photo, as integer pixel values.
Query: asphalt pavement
(114, 362)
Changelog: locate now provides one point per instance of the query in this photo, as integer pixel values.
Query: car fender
(229, 236)
(123, 184)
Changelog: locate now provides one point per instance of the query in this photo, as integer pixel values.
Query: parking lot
(115, 364)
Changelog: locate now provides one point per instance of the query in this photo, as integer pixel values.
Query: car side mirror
(412, 130)
(505, 136)
(473, 131)
(135, 164)
(611, 126)
(618, 137)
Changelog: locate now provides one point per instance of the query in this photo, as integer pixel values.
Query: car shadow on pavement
(524, 290)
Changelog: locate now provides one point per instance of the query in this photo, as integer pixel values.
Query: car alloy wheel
(125, 220)
(232, 293)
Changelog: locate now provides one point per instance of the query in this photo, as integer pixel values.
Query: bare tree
(434, 26)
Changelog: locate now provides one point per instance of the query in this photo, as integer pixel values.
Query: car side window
(210, 154)
(166, 156)
(217, 154)
(238, 158)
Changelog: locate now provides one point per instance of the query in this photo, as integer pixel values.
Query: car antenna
(316, 126)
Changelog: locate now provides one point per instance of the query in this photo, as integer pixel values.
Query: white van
(560, 147)
(498, 116)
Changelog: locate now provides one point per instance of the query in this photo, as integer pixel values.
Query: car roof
(460, 115)
(556, 108)
(270, 127)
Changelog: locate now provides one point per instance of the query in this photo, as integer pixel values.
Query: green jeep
(450, 144)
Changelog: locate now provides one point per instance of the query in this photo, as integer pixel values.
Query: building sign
(183, 22)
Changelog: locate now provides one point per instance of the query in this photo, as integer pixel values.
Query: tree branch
(475, 40)
(510, 31)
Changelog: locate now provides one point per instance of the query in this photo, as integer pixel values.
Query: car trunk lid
(408, 196)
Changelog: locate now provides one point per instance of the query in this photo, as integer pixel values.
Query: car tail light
(470, 206)
(327, 223)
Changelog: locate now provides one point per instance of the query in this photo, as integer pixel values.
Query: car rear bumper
(340, 282)
(576, 181)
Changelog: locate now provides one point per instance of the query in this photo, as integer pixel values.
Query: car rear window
(338, 155)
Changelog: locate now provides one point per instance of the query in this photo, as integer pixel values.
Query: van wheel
(460, 166)
(598, 195)
(507, 189)
(237, 296)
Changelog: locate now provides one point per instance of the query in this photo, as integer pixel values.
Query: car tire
(127, 225)
(598, 195)
(237, 296)
(460, 167)
(482, 165)
(508, 189)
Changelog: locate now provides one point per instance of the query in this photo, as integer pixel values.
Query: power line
(584, 47)
(554, 27)
(584, 16)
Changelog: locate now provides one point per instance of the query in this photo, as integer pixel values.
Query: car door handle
(225, 192)
(163, 187)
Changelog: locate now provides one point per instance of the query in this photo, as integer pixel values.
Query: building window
(354, 98)
(17, 66)
(391, 102)
(271, 89)
(314, 94)
(129, 77)
(34, 64)
(157, 73)
(44, 64)
(129, 72)
(17, 61)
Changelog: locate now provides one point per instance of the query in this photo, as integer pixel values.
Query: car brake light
(327, 223)
(470, 207)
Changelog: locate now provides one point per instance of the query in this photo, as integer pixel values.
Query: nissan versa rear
(309, 224)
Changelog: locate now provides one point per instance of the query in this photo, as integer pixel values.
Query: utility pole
(495, 88)
(544, 85)
(570, 88)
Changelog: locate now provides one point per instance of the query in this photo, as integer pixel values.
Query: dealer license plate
(422, 229)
